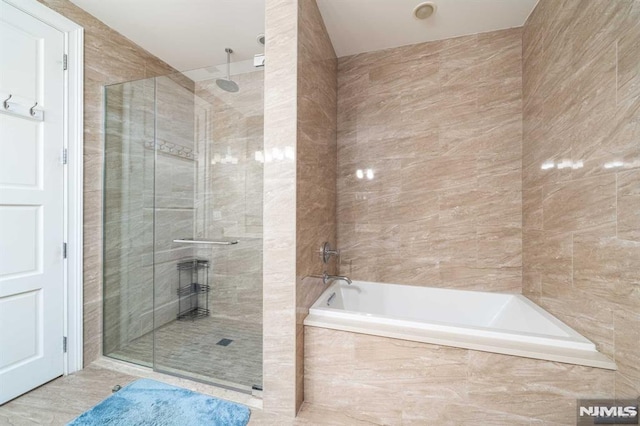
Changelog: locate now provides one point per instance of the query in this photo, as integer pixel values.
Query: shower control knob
(326, 252)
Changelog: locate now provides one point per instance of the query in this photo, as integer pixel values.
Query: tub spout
(326, 278)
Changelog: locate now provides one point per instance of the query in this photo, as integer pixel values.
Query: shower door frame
(73, 139)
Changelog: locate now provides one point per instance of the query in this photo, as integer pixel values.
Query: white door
(31, 204)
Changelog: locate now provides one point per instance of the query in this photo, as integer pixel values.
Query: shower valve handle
(326, 252)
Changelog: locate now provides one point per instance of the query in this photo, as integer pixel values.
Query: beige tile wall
(299, 209)
(279, 258)
(581, 173)
(376, 380)
(229, 197)
(171, 198)
(109, 58)
(316, 165)
(440, 126)
(580, 245)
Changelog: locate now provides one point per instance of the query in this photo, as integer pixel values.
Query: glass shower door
(208, 238)
(128, 263)
(183, 162)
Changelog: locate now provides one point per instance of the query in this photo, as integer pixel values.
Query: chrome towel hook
(12, 107)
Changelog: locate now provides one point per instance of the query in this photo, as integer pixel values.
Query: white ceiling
(220, 71)
(187, 34)
(192, 34)
(357, 26)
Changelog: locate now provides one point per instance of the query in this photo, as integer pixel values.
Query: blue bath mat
(147, 402)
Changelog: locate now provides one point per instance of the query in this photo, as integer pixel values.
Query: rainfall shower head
(227, 84)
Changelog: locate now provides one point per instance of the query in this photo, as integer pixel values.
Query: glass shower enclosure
(183, 227)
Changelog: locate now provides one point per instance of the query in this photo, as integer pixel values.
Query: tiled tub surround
(439, 127)
(315, 166)
(486, 321)
(580, 247)
(397, 382)
(581, 174)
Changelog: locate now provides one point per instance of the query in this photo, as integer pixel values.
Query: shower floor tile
(190, 348)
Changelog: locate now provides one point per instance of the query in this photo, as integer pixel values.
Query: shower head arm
(227, 84)
(229, 52)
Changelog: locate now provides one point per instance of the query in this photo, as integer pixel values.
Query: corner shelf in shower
(193, 289)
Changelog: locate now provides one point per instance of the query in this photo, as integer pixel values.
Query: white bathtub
(492, 322)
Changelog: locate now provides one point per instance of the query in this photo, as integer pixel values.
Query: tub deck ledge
(549, 353)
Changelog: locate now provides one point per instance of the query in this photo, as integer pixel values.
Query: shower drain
(224, 342)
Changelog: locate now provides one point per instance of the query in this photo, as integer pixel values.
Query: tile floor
(63, 399)
(190, 348)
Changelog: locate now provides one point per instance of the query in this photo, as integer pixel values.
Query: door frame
(73, 174)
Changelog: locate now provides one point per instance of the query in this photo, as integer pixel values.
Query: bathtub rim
(572, 338)
(361, 324)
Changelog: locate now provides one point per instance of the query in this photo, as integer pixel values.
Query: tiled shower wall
(109, 58)
(229, 134)
(172, 212)
(429, 163)
(581, 173)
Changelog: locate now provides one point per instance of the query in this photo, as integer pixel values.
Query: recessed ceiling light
(424, 10)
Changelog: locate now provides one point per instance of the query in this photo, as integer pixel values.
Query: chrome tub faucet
(326, 278)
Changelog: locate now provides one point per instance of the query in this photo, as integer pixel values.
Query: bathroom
(486, 148)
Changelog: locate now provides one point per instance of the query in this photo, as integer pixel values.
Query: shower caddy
(193, 289)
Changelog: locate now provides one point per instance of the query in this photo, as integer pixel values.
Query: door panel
(25, 257)
(15, 41)
(19, 165)
(31, 204)
(22, 342)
